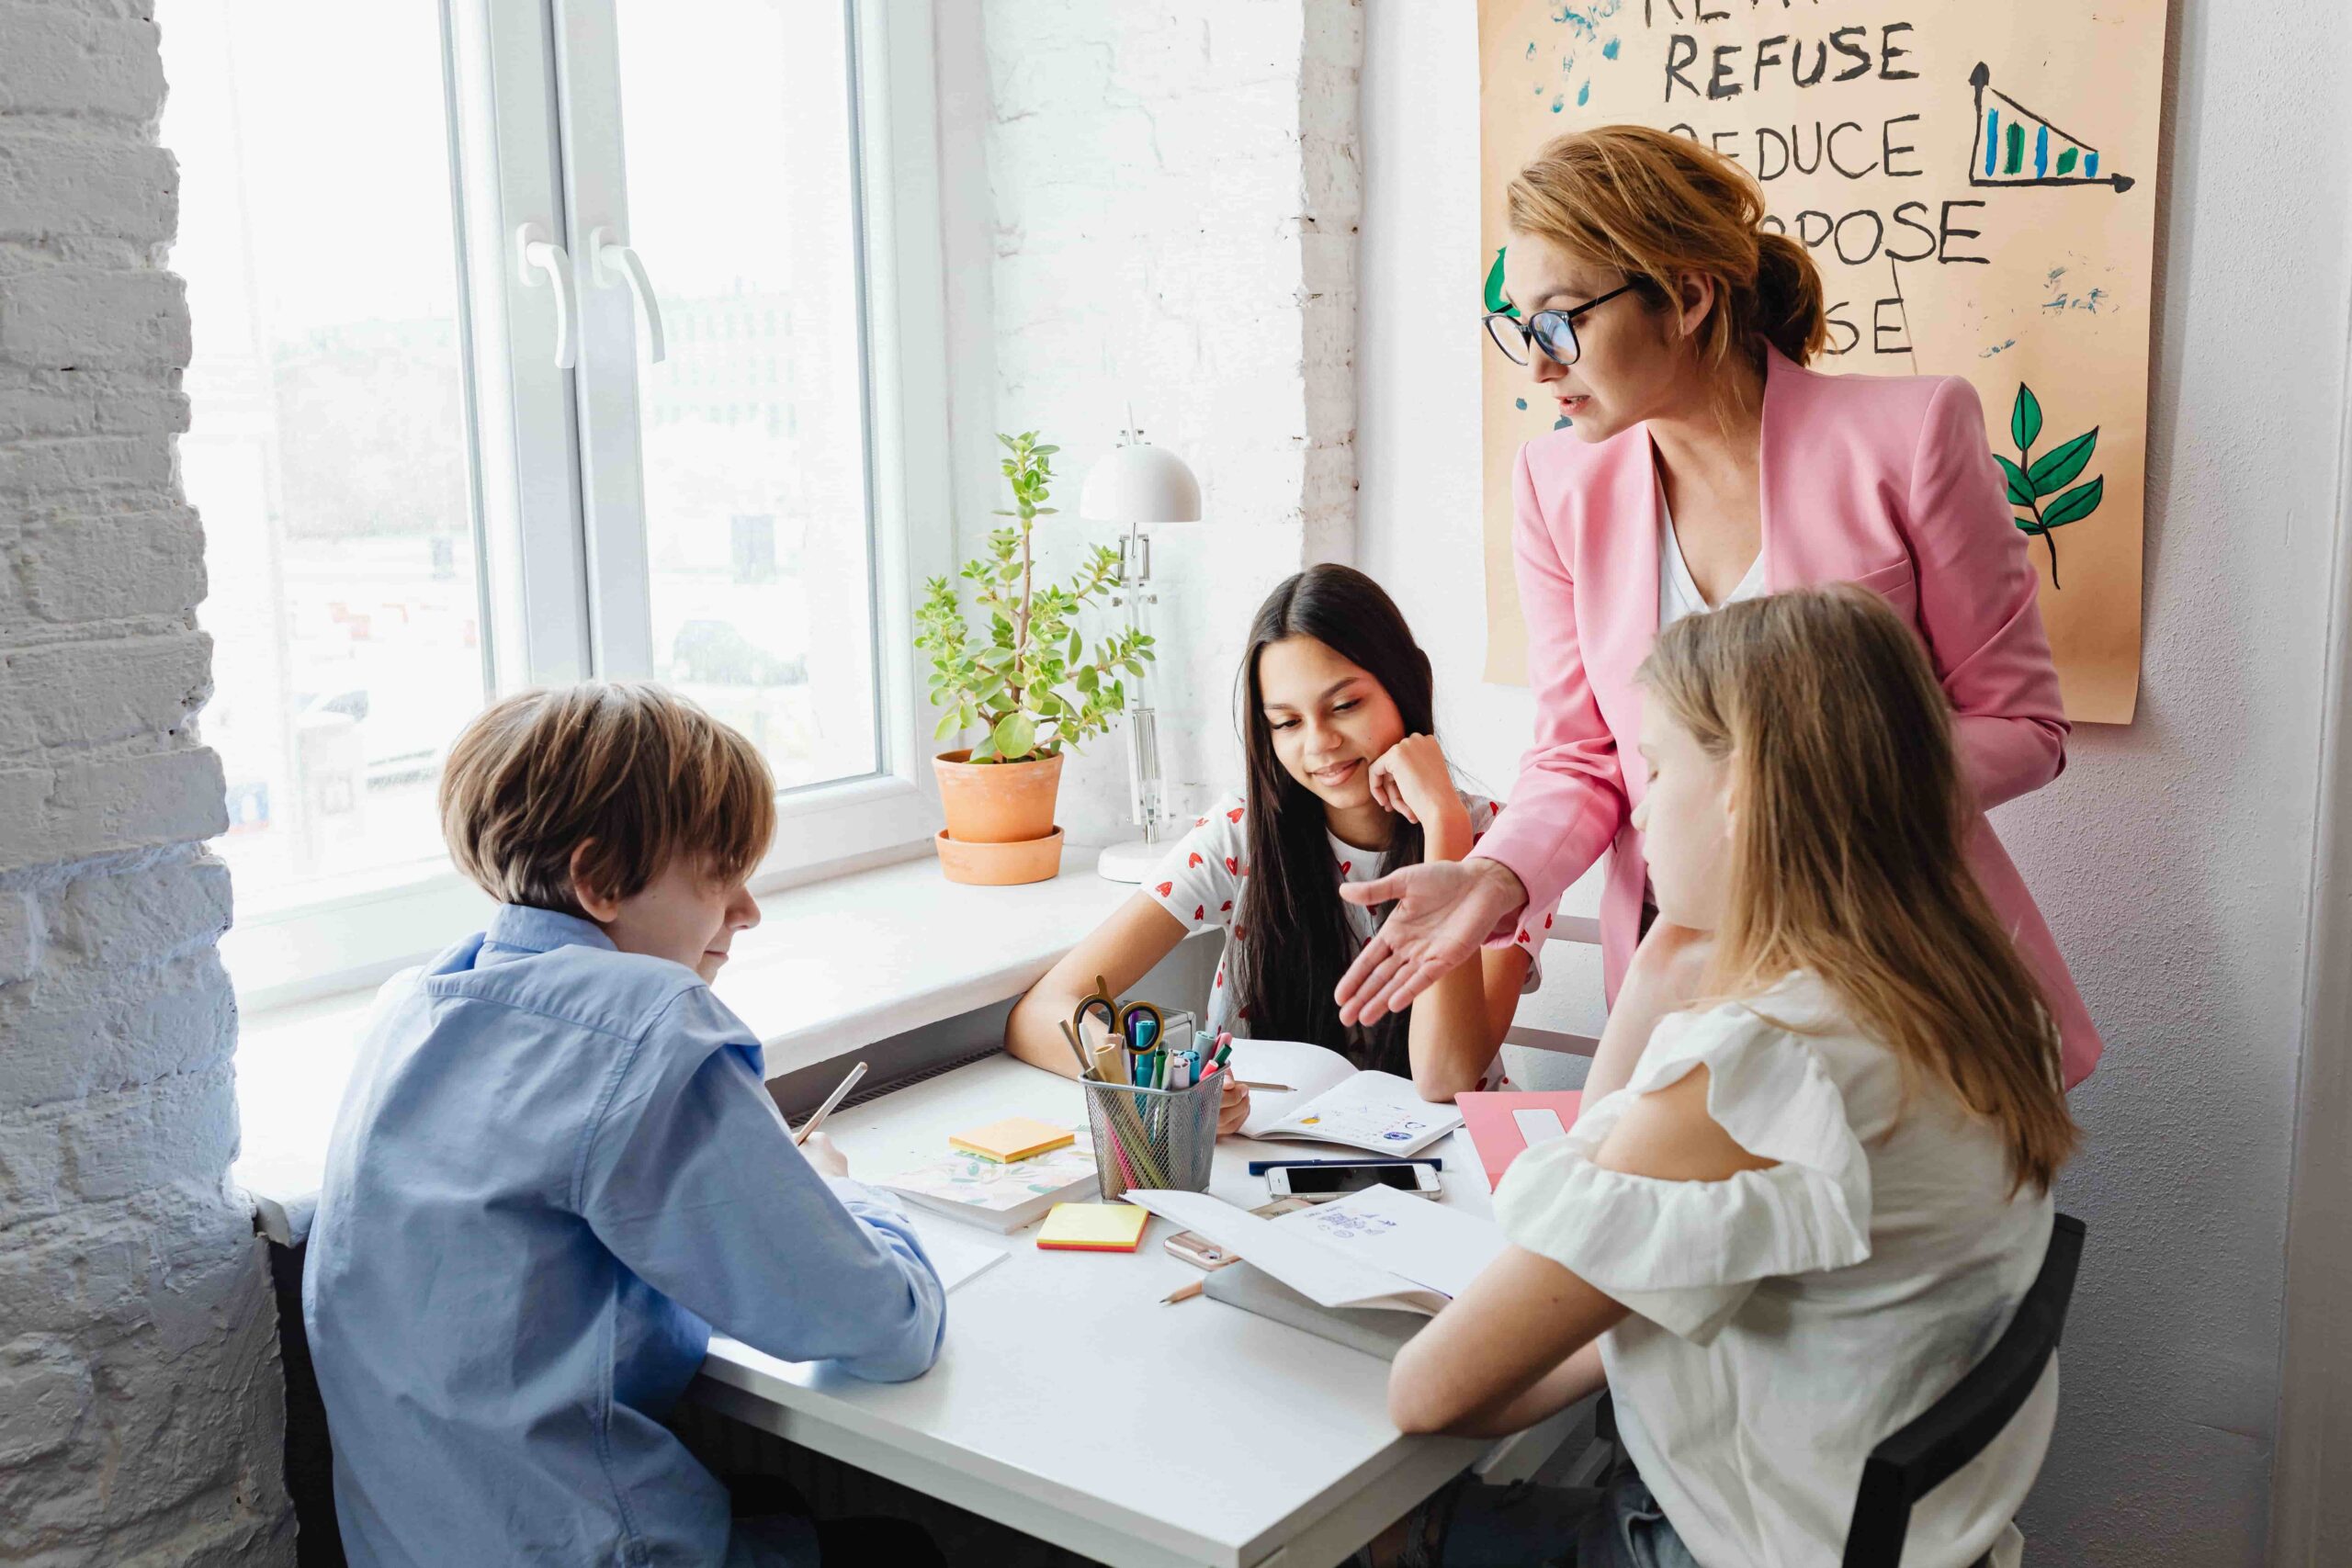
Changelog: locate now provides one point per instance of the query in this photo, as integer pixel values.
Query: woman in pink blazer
(1701, 462)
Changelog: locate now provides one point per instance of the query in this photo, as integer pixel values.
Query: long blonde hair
(1657, 207)
(1847, 849)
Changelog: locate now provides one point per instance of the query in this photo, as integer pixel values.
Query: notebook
(1505, 1125)
(1375, 1331)
(1329, 1101)
(1002, 1198)
(1015, 1137)
(1379, 1248)
(954, 1256)
(1093, 1227)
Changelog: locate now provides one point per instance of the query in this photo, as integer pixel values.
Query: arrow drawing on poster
(2019, 147)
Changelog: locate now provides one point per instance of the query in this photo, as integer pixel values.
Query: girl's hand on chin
(1412, 779)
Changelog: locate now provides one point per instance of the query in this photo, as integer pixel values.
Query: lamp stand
(1133, 860)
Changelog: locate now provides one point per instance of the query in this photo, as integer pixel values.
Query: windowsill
(834, 966)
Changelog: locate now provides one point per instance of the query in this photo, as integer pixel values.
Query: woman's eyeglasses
(1553, 332)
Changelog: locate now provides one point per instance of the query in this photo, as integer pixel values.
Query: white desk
(1069, 1404)
(834, 966)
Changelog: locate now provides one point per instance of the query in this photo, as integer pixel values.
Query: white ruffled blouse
(1788, 1320)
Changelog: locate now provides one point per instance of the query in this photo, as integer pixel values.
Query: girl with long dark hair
(1346, 783)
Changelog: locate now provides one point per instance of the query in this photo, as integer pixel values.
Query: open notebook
(1329, 1101)
(1379, 1248)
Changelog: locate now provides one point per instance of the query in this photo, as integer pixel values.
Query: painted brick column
(140, 1403)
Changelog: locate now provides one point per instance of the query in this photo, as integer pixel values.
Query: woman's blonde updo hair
(1657, 206)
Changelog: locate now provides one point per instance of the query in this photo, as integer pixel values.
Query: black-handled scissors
(1120, 1022)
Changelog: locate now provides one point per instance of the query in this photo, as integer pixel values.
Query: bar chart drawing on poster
(1971, 184)
(2001, 145)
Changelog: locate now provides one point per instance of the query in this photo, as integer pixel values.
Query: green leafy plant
(2031, 478)
(1026, 681)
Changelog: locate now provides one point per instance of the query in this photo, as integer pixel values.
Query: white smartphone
(1321, 1181)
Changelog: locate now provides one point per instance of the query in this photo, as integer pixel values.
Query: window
(437, 462)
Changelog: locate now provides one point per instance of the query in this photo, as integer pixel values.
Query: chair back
(1963, 1423)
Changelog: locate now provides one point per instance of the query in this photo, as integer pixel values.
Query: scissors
(1120, 1021)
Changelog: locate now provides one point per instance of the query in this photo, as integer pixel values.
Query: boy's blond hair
(1849, 849)
(638, 773)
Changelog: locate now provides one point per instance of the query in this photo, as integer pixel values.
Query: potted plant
(1025, 680)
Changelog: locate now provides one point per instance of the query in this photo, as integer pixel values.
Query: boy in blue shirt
(558, 1168)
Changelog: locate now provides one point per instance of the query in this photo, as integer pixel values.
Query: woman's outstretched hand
(1444, 910)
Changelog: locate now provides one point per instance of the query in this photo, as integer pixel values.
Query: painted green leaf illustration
(2029, 479)
(2020, 493)
(2055, 470)
(2075, 504)
(1495, 300)
(2024, 418)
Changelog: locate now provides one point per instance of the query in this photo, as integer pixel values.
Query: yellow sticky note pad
(1015, 1137)
(1093, 1227)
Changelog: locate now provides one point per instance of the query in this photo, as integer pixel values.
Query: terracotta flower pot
(1000, 865)
(998, 803)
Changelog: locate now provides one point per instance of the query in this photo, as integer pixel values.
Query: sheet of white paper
(1299, 1260)
(1539, 1126)
(954, 1252)
(1308, 1069)
(1398, 1233)
(1378, 1112)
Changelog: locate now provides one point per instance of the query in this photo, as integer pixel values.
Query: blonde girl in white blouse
(1346, 783)
(1821, 1196)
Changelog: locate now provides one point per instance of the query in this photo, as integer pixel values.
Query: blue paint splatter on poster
(1584, 95)
(1609, 50)
(1521, 401)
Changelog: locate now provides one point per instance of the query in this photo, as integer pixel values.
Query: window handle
(535, 254)
(610, 263)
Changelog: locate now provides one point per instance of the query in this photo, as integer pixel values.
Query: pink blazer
(1880, 481)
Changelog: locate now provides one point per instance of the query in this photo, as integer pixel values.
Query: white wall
(2173, 857)
(1167, 200)
(140, 1405)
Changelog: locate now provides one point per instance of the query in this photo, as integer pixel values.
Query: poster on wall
(1976, 183)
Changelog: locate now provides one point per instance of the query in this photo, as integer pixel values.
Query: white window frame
(559, 503)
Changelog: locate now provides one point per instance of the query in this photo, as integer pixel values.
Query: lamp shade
(1140, 483)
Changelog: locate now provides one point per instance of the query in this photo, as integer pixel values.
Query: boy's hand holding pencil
(822, 1154)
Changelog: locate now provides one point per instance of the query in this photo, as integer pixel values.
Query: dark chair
(1960, 1426)
(1963, 1423)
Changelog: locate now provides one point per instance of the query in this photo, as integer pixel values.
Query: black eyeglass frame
(1531, 330)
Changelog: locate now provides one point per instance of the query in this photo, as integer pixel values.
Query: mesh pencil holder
(1152, 1137)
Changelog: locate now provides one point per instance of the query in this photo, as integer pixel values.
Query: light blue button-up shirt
(556, 1169)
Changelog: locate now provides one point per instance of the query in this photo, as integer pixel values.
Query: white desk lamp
(1136, 484)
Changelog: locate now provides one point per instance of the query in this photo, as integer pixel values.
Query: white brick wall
(139, 1395)
(1174, 194)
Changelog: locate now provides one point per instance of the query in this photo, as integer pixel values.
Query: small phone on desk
(1322, 1181)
